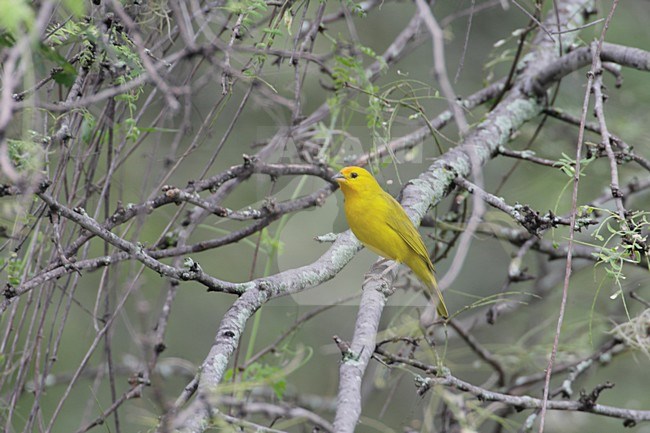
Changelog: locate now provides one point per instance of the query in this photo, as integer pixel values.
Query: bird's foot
(382, 275)
(388, 269)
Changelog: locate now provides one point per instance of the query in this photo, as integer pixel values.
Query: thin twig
(574, 199)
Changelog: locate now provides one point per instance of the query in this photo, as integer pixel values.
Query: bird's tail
(423, 268)
(432, 285)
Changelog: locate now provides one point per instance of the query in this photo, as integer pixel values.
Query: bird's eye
(353, 175)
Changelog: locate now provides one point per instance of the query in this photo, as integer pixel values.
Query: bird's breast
(367, 220)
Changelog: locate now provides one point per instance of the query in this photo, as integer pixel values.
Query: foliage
(621, 241)
(27, 156)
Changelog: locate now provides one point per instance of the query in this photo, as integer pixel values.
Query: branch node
(9, 292)
(171, 192)
(328, 237)
(249, 160)
(589, 400)
(43, 185)
(629, 423)
(423, 384)
(347, 354)
(118, 215)
(616, 191)
(7, 190)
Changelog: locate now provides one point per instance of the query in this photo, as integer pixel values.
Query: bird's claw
(370, 277)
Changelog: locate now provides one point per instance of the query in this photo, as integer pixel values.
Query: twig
(481, 351)
(627, 152)
(605, 137)
(137, 251)
(169, 93)
(535, 20)
(275, 411)
(298, 323)
(419, 135)
(528, 155)
(478, 208)
(596, 49)
(516, 401)
(461, 62)
(523, 214)
(439, 68)
(135, 392)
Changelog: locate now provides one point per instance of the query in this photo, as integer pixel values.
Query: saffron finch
(381, 224)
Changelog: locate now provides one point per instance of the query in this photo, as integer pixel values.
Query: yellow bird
(381, 224)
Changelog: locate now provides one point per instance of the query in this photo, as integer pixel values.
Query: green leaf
(64, 78)
(611, 229)
(279, 387)
(259, 372)
(88, 127)
(288, 20)
(25, 155)
(274, 32)
(53, 55)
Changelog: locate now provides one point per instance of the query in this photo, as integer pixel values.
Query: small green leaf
(279, 388)
(66, 69)
(88, 127)
(64, 78)
(288, 20)
(274, 32)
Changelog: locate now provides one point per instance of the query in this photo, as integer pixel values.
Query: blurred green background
(522, 339)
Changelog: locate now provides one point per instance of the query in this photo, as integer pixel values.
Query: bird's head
(355, 179)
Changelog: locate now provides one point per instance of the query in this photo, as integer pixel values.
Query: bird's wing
(399, 221)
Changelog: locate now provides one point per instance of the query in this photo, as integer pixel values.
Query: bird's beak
(338, 178)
